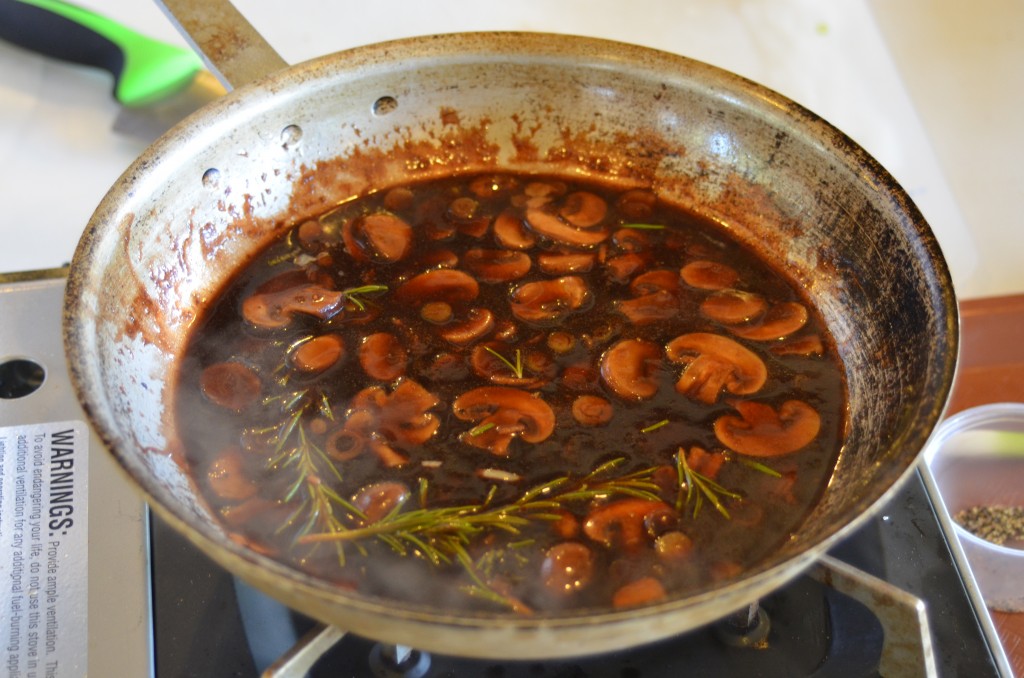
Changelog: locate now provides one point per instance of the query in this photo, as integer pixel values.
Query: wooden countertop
(991, 370)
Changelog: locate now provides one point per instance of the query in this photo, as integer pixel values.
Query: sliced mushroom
(543, 192)
(382, 356)
(439, 258)
(465, 213)
(567, 568)
(441, 284)
(708, 464)
(497, 266)
(633, 239)
(402, 416)
(319, 353)
(636, 204)
(709, 275)
(658, 280)
(274, 310)
(580, 378)
(436, 312)
(640, 592)
(230, 385)
(565, 524)
(478, 324)
(561, 342)
(552, 227)
(629, 368)
(620, 524)
(650, 308)
(592, 410)
(809, 345)
(621, 268)
(444, 367)
(713, 363)
(731, 307)
(511, 232)
(348, 442)
(503, 414)
(547, 301)
(399, 198)
(583, 209)
(673, 547)
(760, 431)
(227, 478)
(378, 237)
(565, 264)
(312, 236)
(498, 363)
(377, 500)
(778, 321)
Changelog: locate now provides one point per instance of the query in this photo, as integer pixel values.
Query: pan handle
(232, 49)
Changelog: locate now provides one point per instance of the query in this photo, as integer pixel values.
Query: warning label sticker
(43, 549)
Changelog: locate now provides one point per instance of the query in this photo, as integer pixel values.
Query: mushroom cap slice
(478, 323)
(713, 363)
(496, 266)
(504, 413)
(440, 284)
(629, 366)
(381, 237)
(731, 307)
(649, 308)
(778, 322)
(620, 523)
(382, 356)
(583, 209)
(511, 232)
(551, 226)
(547, 301)
(402, 416)
(274, 309)
(761, 431)
(709, 275)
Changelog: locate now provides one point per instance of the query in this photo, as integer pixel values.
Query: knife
(156, 83)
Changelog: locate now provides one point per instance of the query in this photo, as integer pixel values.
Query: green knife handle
(145, 70)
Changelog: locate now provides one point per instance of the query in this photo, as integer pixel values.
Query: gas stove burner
(747, 628)
(398, 661)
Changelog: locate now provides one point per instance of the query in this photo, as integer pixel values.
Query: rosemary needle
(517, 367)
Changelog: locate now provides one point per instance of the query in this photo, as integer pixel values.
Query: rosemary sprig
(482, 428)
(655, 426)
(758, 466)
(439, 532)
(517, 367)
(699, 488)
(353, 294)
(314, 473)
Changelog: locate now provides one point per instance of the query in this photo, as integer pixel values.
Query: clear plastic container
(976, 458)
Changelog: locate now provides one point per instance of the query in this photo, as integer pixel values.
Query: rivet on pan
(384, 105)
(211, 177)
(290, 136)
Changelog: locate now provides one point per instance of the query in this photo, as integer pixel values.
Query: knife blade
(156, 83)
